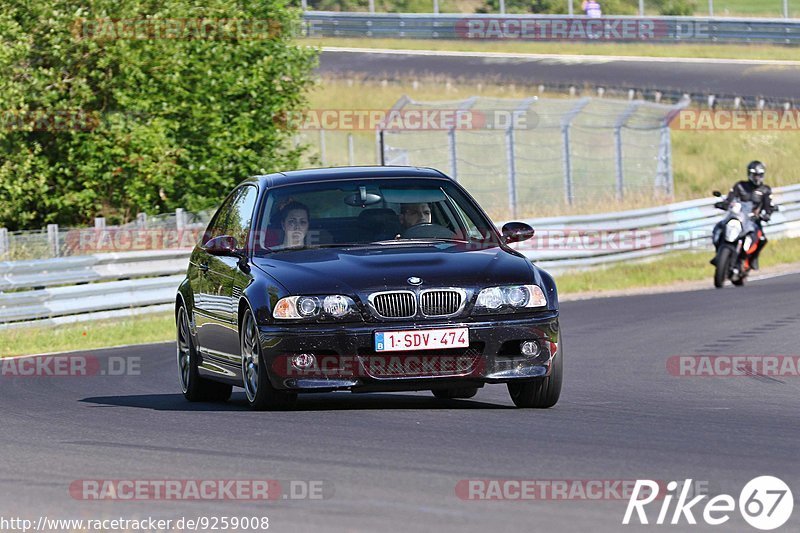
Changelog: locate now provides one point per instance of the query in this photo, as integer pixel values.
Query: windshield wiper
(402, 240)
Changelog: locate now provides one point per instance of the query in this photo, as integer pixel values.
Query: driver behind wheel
(413, 214)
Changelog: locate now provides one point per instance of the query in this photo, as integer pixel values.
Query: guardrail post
(710, 8)
(512, 170)
(641, 8)
(141, 220)
(436, 6)
(53, 240)
(503, 6)
(180, 219)
(99, 223)
(786, 9)
(372, 6)
(451, 138)
(570, 9)
(4, 244)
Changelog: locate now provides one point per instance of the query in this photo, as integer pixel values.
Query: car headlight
(510, 297)
(300, 307)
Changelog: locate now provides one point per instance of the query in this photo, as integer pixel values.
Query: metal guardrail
(58, 290)
(587, 241)
(43, 273)
(552, 27)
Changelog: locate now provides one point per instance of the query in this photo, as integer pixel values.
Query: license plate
(426, 339)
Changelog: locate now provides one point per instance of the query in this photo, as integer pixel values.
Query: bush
(97, 125)
(677, 8)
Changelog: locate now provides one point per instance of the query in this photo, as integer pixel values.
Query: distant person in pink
(591, 8)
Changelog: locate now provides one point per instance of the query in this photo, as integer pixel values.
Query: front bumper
(344, 356)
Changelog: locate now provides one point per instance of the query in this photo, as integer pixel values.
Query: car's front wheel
(194, 387)
(261, 395)
(540, 393)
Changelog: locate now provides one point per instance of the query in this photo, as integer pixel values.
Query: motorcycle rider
(756, 191)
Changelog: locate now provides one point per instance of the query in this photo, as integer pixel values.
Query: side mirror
(717, 194)
(516, 232)
(224, 245)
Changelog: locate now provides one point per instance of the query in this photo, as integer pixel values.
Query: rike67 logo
(765, 503)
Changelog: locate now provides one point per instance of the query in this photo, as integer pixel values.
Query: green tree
(102, 117)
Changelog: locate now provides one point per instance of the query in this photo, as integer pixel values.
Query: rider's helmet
(755, 173)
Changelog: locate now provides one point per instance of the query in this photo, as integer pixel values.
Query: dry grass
(702, 161)
(721, 51)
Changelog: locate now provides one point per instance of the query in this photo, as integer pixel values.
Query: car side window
(240, 216)
(217, 226)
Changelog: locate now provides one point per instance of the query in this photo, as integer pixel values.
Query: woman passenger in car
(294, 223)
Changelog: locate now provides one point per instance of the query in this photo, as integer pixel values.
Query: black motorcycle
(736, 239)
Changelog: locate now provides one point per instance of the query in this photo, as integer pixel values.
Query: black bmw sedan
(363, 279)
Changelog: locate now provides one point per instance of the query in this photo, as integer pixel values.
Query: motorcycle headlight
(300, 307)
(512, 297)
(732, 230)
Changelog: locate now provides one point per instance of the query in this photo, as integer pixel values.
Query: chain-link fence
(513, 154)
(179, 229)
(711, 8)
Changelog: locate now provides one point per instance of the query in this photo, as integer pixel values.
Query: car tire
(540, 393)
(260, 393)
(195, 388)
(453, 393)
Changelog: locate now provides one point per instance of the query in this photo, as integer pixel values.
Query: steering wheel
(427, 230)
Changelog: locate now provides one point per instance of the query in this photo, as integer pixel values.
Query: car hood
(360, 270)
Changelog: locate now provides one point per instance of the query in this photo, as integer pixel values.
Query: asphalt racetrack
(392, 462)
(770, 80)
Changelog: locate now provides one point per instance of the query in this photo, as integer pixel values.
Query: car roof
(338, 173)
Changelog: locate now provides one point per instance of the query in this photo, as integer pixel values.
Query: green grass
(746, 8)
(673, 268)
(87, 335)
(720, 51)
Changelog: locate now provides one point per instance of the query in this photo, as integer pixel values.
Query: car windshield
(369, 212)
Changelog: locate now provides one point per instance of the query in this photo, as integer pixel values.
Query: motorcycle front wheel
(723, 265)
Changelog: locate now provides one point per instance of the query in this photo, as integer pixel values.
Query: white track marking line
(87, 350)
(576, 58)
